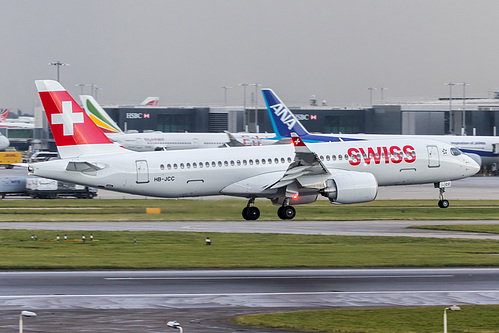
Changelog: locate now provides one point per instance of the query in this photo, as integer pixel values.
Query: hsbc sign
(303, 116)
(137, 115)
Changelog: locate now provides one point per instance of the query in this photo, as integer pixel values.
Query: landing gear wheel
(443, 203)
(251, 213)
(286, 212)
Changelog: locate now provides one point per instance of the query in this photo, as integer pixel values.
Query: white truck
(42, 188)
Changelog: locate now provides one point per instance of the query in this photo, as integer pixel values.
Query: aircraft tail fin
(283, 120)
(233, 142)
(150, 101)
(3, 114)
(74, 132)
(99, 115)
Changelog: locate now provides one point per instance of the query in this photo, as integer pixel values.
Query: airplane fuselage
(173, 141)
(212, 171)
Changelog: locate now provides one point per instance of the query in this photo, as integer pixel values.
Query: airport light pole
(81, 85)
(464, 84)
(58, 64)
(225, 94)
(452, 308)
(256, 105)
(97, 88)
(381, 92)
(244, 85)
(371, 95)
(451, 127)
(24, 314)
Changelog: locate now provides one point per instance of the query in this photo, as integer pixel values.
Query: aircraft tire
(251, 213)
(443, 203)
(286, 212)
(245, 213)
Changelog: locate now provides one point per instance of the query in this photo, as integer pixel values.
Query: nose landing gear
(442, 203)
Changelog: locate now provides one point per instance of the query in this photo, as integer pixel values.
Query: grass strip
(171, 250)
(471, 319)
(230, 210)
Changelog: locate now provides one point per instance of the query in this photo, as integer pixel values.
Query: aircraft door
(433, 158)
(195, 142)
(142, 172)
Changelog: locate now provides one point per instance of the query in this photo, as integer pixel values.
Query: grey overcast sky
(184, 51)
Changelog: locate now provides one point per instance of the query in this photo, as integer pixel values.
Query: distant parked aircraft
(159, 140)
(484, 149)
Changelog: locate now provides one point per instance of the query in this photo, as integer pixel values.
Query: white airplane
(21, 122)
(484, 149)
(285, 174)
(165, 141)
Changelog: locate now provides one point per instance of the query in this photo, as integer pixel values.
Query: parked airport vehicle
(344, 172)
(484, 149)
(8, 158)
(42, 155)
(43, 188)
(156, 140)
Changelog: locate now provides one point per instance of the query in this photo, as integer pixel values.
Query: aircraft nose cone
(472, 167)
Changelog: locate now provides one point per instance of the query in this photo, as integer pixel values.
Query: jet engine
(351, 187)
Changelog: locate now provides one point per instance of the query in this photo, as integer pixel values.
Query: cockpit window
(455, 152)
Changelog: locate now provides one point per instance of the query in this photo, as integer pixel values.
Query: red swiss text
(379, 155)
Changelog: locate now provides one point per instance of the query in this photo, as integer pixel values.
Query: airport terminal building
(432, 118)
(472, 117)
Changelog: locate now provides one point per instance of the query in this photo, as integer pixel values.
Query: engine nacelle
(351, 187)
(300, 200)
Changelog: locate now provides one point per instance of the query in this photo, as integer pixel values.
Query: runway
(342, 228)
(216, 295)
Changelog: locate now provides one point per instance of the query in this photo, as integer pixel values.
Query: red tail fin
(3, 114)
(74, 132)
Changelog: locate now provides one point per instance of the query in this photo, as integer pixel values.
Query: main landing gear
(250, 212)
(285, 212)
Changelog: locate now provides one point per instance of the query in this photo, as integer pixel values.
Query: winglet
(74, 132)
(283, 120)
(297, 142)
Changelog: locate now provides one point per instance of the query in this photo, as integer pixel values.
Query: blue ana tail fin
(283, 120)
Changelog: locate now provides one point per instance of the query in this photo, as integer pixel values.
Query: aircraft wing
(307, 169)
